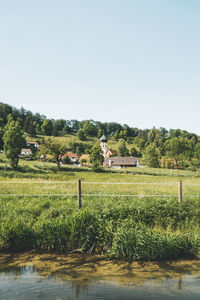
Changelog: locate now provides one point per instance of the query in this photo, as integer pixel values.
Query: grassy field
(135, 227)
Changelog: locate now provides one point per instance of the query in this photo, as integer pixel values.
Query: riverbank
(92, 267)
(148, 229)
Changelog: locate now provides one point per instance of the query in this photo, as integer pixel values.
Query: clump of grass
(139, 242)
(16, 236)
(76, 232)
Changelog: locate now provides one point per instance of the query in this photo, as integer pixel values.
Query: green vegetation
(96, 157)
(138, 228)
(53, 148)
(173, 149)
(13, 142)
(121, 228)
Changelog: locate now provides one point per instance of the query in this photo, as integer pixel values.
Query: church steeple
(103, 139)
(104, 145)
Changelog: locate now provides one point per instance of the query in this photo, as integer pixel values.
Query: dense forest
(174, 148)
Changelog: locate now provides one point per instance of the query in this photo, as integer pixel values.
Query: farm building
(26, 151)
(121, 162)
(72, 156)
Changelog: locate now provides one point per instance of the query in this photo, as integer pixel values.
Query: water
(30, 276)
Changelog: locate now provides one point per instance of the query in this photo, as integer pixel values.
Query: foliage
(179, 146)
(96, 157)
(13, 142)
(47, 127)
(89, 128)
(81, 135)
(151, 156)
(66, 160)
(53, 148)
(122, 149)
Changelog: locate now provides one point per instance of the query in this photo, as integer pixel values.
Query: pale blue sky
(130, 61)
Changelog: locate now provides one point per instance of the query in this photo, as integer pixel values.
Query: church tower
(104, 145)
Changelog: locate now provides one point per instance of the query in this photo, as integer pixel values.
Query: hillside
(174, 148)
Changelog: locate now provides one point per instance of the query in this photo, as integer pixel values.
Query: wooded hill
(175, 148)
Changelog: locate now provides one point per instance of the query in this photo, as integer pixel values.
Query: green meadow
(131, 214)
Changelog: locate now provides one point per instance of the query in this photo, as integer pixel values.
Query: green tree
(174, 147)
(122, 149)
(47, 127)
(53, 148)
(81, 134)
(55, 129)
(31, 128)
(96, 157)
(1, 138)
(38, 128)
(134, 152)
(151, 156)
(89, 128)
(100, 133)
(13, 142)
(197, 155)
(116, 135)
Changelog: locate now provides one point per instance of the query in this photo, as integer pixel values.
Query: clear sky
(129, 61)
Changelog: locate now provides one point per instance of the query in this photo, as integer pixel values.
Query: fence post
(180, 194)
(79, 194)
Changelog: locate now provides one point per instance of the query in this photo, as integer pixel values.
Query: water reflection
(50, 276)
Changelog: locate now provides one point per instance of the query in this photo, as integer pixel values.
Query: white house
(26, 151)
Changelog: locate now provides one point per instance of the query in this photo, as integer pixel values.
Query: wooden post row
(79, 194)
(180, 193)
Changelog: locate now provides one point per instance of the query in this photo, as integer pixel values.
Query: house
(33, 144)
(121, 162)
(110, 153)
(72, 156)
(85, 159)
(26, 151)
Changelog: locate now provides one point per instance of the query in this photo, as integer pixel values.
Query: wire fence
(78, 193)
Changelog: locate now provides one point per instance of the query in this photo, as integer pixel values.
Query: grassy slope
(70, 138)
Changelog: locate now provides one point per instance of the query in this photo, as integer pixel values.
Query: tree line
(174, 148)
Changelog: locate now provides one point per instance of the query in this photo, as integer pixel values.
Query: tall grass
(123, 229)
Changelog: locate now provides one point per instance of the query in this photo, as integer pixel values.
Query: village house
(26, 151)
(72, 156)
(84, 159)
(121, 162)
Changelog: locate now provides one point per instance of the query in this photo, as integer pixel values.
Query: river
(58, 277)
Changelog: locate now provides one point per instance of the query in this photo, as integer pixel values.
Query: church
(104, 146)
(116, 162)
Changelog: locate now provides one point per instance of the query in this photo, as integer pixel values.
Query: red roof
(85, 156)
(32, 143)
(70, 155)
